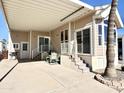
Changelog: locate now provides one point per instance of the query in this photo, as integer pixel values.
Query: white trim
(44, 37)
(64, 41)
(103, 38)
(105, 13)
(102, 7)
(30, 43)
(94, 35)
(18, 44)
(69, 37)
(81, 29)
(83, 4)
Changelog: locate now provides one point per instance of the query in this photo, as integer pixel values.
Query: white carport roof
(42, 15)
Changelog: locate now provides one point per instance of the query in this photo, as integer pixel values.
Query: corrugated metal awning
(41, 15)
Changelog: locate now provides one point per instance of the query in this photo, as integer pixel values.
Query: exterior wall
(24, 36)
(82, 23)
(77, 24)
(18, 37)
(99, 59)
(56, 38)
(34, 39)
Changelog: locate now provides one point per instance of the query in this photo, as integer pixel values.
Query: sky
(3, 28)
(4, 32)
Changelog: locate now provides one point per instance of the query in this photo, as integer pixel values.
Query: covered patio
(36, 21)
(39, 77)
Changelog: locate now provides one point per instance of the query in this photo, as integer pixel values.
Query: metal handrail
(36, 51)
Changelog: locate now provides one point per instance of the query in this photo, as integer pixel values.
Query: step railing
(42, 49)
(64, 47)
(35, 52)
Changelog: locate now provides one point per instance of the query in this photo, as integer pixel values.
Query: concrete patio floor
(40, 77)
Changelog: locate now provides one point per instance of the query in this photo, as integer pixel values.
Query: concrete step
(79, 63)
(84, 69)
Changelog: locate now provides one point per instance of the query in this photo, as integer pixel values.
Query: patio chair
(53, 58)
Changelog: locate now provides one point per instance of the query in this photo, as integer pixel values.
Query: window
(120, 49)
(79, 41)
(66, 35)
(25, 46)
(44, 44)
(64, 41)
(16, 46)
(86, 41)
(105, 21)
(83, 41)
(62, 36)
(105, 34)
(100, 34)
(102, 29)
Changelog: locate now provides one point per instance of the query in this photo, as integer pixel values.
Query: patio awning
(42, 15)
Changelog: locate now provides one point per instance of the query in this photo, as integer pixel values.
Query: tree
(110, 70)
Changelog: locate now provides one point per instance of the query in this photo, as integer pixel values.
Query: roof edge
(83, 4)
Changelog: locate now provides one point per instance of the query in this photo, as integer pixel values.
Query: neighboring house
(121, 49)
(1, 47)
(69, 27)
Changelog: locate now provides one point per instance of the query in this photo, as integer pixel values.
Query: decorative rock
(115, 84)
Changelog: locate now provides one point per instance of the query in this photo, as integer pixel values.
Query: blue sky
(4, 32)
(3, 29)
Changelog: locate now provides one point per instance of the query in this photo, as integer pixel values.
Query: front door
(24, 50)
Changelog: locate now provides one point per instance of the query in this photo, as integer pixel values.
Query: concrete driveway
(40, 77)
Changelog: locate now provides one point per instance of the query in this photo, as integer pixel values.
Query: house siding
(24, 36)
(20, 36)
(34, 38)
(56, 38)
(77, 24)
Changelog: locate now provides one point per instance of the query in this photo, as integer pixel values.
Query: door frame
(22, 47)
(44, 37)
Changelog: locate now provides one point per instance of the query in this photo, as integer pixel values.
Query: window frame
(115, 31)
(17, 46)
(100, 35)
(81, 29)
(64, 43)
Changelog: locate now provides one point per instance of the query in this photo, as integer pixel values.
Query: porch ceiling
(41, 15)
